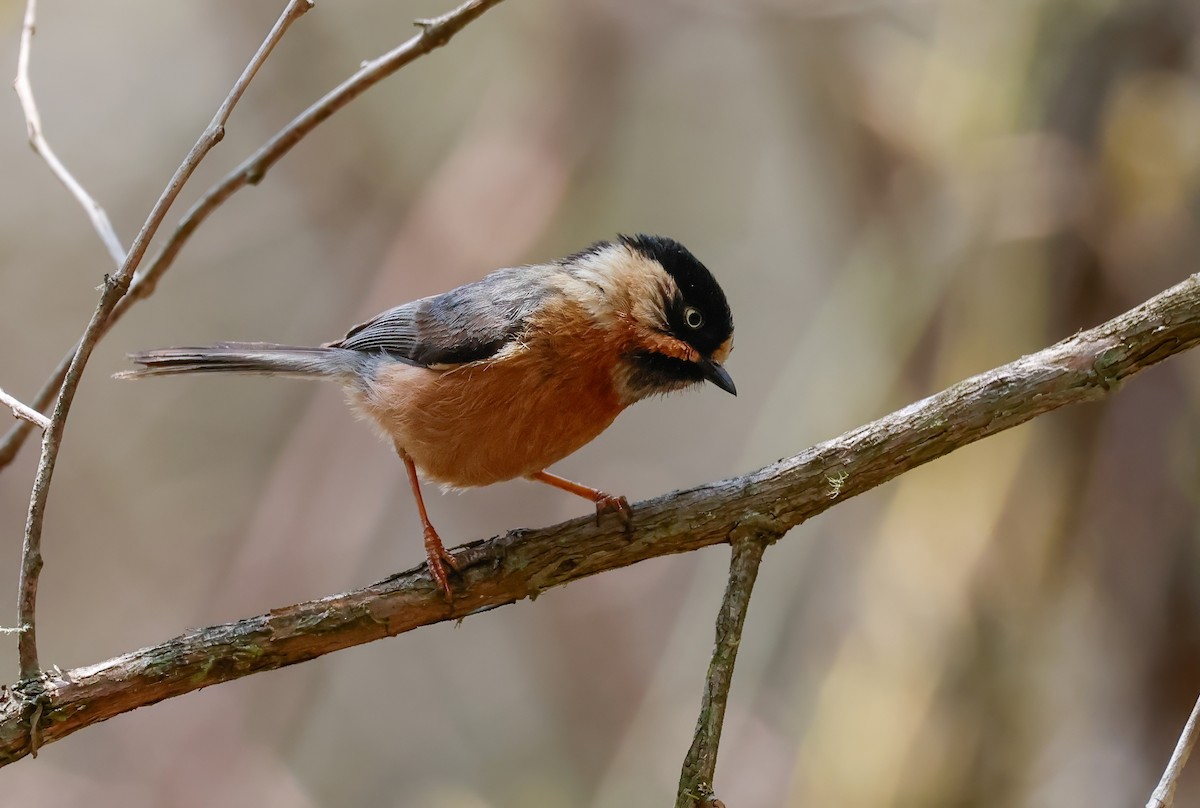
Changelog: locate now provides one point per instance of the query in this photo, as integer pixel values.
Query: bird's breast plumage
(542, 397)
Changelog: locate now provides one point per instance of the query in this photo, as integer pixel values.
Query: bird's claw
(607, 503)
(438, 559)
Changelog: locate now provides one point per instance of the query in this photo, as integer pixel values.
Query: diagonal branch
(37, 141)
(1164, 793)
(112, 290)
(505, 569)
(434, 33)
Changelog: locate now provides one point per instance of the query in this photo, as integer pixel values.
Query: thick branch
(434, 33)
(113, 290)
(523, 563)
(700, 763)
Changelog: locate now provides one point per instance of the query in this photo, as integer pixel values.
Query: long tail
(247, 357)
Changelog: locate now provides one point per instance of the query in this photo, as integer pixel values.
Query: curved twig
(37, 141)
(505, 569)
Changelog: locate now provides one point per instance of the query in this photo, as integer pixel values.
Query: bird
(504, 376)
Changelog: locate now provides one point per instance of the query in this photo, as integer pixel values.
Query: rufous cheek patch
(669, 346)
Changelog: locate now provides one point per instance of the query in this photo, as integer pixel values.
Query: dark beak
(718, 376)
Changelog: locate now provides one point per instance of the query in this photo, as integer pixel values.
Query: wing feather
(467, 324)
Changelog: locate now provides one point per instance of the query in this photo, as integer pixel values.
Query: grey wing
(467, 324)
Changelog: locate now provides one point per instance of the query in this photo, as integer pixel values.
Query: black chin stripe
(655, 371)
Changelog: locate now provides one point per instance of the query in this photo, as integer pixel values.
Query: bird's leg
(435, 553)
(604, 502)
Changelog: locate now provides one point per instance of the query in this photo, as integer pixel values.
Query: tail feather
(245, 357)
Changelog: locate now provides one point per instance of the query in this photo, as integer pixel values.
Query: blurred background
(895, 195)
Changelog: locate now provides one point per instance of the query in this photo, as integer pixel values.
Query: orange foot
(604, 502)
(438, 558)
(607, 503)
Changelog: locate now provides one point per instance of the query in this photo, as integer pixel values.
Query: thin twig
(37, 140)
(700, 763)
(1164, 793)
(114, 288)
(15, 437)
(434, 33)
(23, 411)
(503, 570)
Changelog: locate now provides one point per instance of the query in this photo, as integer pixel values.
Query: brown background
(894, 194)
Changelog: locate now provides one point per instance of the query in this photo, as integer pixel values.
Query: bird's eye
(693, 317)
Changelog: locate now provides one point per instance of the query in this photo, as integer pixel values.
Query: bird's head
(678, 315)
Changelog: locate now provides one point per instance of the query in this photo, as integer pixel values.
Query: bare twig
(37, 140)
(1164, 793)
(15, 437)
(700, 763)
(113, 289)
(506, 569)
(434, 33)
(23, 411)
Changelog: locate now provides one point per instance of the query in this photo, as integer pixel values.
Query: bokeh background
(895, 195)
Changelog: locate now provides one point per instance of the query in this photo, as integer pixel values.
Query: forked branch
(112, 290)
(122, 289)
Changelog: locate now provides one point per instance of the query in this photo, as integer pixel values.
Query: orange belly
(490, 421)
